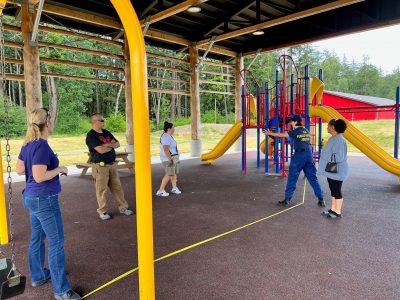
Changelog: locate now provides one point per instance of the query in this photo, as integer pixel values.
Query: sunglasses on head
(47, 113)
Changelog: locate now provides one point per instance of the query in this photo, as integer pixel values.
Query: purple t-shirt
(38, 152)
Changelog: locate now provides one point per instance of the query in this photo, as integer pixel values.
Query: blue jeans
(303, 161)
(46, 221)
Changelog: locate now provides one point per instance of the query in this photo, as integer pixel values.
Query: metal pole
(258, 127)
(37, 21)
(276, 143)
(140, 110)
(3, 205)
(266, 125)
(306, 94)
(243, 132)
(321, 77)
(254, 59)
(396, 124)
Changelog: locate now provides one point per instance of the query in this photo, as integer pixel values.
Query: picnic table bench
(123, 163)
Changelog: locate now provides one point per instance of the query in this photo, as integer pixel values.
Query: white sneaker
(176, 191)
(105, 216)
(126, 212)
(162, 194)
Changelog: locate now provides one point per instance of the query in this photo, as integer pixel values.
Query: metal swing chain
(8, 147)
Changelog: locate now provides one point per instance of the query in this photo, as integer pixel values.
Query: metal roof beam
(284, 19)
(231, 13)
(173, 10)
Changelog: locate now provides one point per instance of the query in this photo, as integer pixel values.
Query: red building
(358, 107)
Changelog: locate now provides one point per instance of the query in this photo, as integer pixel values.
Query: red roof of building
(362, 98)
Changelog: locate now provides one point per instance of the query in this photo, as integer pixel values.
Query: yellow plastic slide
(360, 140)
(352, 134)
(229, 138)
(224, 144)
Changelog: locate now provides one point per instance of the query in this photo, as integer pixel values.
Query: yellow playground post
(141, 132)
(3, 212)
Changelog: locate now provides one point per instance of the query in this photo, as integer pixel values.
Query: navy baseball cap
(296, 118)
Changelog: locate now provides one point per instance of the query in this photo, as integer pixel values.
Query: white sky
(382, 46)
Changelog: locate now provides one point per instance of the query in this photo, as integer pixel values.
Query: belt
(175, 154)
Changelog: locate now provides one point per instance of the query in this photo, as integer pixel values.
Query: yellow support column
(3, 209)
(141, 135)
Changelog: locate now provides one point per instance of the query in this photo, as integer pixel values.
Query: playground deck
(295, 255)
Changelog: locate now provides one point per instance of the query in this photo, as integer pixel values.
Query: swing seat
(12, 283)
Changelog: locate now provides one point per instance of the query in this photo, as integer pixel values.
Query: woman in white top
(170, 160)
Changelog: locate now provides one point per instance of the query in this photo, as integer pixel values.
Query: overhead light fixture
(194, 9)
(258, 32)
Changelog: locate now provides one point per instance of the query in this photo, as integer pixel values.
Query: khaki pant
(104, 177)
(172, 168)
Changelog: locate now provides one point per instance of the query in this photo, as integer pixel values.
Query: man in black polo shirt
(102, 145)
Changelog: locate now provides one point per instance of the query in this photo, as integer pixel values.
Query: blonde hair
(36, 124)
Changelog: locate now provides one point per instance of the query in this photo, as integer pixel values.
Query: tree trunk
(225, 101)
(53, 98)
(20, 96)
(13, 92)
(96, 87)
(117, 101)
(172, 107)
(186, 115)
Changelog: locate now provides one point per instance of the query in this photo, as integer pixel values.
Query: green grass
(71, 149)
(381, 132)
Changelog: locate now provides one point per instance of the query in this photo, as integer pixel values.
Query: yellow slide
(224, 144)
(352, 134)
(230, 137)
(360, 140)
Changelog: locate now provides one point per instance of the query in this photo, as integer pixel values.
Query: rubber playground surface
(296, 254)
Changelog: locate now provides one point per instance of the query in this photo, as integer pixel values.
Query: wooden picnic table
(121, 159)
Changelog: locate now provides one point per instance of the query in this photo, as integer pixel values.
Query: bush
(17, 117)
(116, 123)
(182, 121)
(209, 117)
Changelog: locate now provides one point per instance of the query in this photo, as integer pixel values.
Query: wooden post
(195, 145)
(128, 104)
(238, 95)
(33, 86)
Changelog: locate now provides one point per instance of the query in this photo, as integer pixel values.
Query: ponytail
(36, 124)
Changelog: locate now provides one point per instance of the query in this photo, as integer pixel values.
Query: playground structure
(137, 74)
(300, 95)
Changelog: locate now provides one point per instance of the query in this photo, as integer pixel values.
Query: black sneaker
(334, 215)
(285, 202)
(327, 212)
(70, 295)
(321, 202)
(40, 283)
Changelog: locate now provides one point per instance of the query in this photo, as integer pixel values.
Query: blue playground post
(258, 127)
(321, 77)
(396, 124)
(306, 93)
(266, 125)
(277, 140)
(243, 130)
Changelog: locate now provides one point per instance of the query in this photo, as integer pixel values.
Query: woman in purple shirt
(41, 168)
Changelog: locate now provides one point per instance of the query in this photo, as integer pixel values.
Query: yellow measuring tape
(199, 243)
